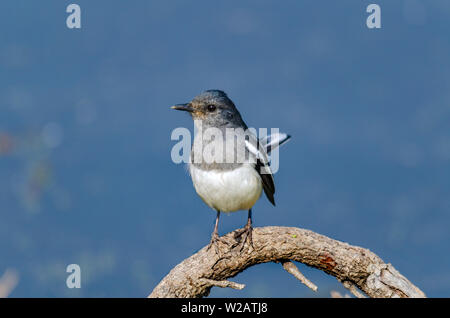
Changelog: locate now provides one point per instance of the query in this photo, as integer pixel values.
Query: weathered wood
(355, 267)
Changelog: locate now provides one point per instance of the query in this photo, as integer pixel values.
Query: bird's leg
(215, 235)
(246, 232)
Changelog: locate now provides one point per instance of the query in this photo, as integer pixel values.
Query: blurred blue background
(85, 170)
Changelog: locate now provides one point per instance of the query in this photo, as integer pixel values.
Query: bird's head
(213, 108)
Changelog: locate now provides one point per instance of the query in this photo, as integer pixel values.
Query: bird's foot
(215, 240)
(244, 234)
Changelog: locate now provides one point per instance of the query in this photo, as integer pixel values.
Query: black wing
(262, 167)
(267, 181)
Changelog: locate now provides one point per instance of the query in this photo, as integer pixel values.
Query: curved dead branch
(357, 268)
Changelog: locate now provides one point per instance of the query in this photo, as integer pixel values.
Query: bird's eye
(211, 108)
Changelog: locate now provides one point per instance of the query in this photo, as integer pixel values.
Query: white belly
(227, 191)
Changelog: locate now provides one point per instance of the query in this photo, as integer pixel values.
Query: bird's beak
(186, 107)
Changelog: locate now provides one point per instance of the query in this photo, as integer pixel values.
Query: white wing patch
(273, 141)
(253, 149)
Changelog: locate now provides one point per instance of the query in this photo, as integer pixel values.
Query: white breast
(227, 191)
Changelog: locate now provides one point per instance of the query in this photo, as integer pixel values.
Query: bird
(229, 185)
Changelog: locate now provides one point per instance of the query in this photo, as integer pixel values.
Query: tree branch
(292, 269)
(8, 281)
(356, 267)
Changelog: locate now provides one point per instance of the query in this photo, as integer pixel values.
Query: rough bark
(355, 267)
